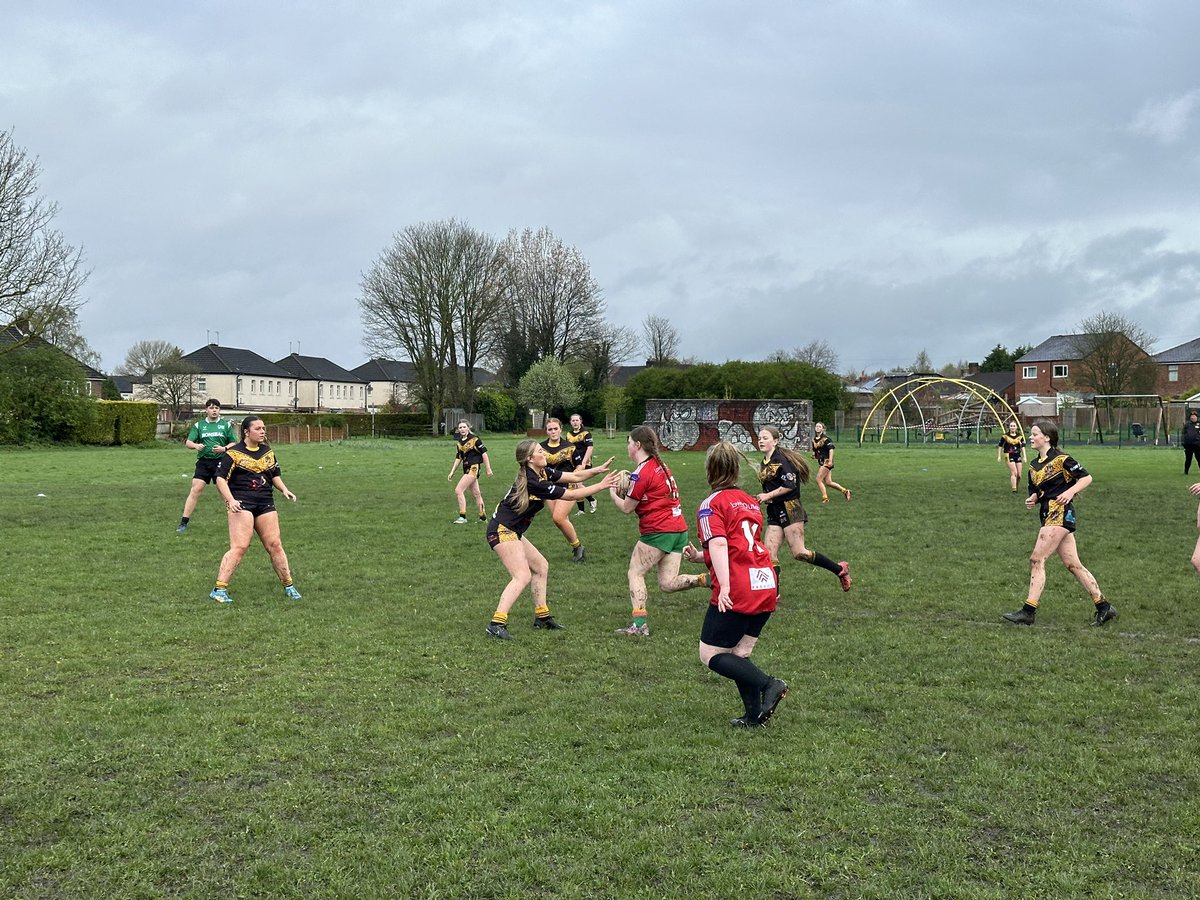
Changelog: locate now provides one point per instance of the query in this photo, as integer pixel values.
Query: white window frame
(1061, 370)
(1029, 372)
(1172, 373)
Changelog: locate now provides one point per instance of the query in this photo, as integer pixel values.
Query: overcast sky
(890, 177)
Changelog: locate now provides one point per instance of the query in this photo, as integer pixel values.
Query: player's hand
(289, 495)
(762, 498)
(1031, 501)
(450, 477)
(607, 463)
(691, 554)
(724, 603)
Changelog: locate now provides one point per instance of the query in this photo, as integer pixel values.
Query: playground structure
(974, 411)
(923, 409)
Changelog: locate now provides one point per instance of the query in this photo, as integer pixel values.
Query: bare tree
(173, 385)
(819, 354)
(147, 357)
(40, 273)
(552, 305)
(612, 345)
(1114, 355)
(660, 339)
(417, 304)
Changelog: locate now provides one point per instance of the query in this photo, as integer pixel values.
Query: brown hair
(722, 465)
(1049, 429)
(791, 456)
(646, 438)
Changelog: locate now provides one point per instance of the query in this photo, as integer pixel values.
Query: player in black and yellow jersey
(1012, 448)
(560, 454)
(473, 454)
(781, 473)
(1055, 480)
(822, 451)
(581, 439)
(247, 477)
(536, 484)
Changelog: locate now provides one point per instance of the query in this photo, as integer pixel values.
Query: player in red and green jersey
(662, 526)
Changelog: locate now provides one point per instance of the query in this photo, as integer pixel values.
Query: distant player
(1012, 448)
(744, 592)
(822, 450)
(581, 440)
(781, 474)
(473, 454)
(210, 437)
(560, 454)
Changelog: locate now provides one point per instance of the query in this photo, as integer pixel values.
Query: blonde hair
(722, 465)
(791, 456)
(520, 490)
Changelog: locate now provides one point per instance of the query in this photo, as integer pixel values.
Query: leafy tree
(41, 275)
(1001, 360)
(549, 385)
(552, 306)
(922, 363)
(109, 390)
(660, 338)
(1114, 355)
(43, 397)
(498, 408)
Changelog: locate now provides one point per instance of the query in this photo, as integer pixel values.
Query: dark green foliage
(499, 410)
(1000, 360)
(406, 424)
(737, 381)
(43, 397)
(121, 422)
(109, 390)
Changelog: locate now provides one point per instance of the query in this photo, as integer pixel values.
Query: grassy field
(370, 741)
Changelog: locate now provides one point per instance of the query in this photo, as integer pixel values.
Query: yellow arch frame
(921, 381)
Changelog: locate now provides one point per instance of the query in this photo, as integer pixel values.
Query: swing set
(981, 408)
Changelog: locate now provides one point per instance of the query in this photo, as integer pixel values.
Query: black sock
(184, 520)
(821, 561)
(750, 678)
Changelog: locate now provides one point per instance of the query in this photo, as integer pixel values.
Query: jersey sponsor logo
(761, 579)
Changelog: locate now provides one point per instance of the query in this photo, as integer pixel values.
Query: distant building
(1178, 369)
(322, 384)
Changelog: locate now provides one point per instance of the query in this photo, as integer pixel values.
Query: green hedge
(121, 422)
(737, 381)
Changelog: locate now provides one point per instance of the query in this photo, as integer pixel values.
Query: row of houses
(1041, 381)
(243, 379)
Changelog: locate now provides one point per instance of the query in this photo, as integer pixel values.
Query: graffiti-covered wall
(698, 424)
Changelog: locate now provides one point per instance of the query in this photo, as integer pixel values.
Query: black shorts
(206, 470)
(258, 507)
(725, 629)
(786, 512)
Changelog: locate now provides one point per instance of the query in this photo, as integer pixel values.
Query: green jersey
(211, 435)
